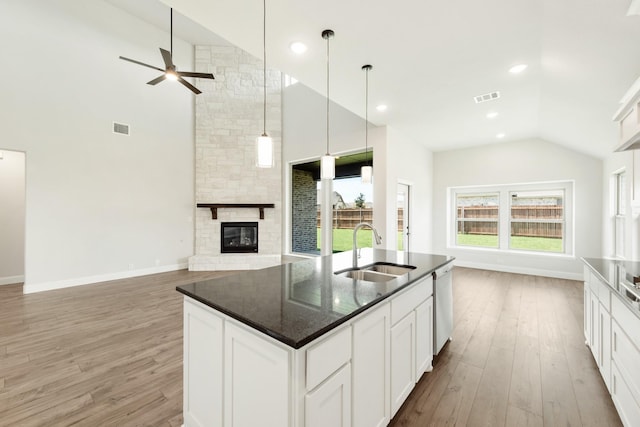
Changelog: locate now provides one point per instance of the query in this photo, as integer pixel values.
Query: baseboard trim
(10, 280)
(30, 288)
(520, 270)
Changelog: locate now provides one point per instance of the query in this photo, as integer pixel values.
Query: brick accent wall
(304, 212)
(229, 118)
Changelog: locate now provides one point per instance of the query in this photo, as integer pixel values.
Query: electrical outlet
(131, 266)
(157, 262)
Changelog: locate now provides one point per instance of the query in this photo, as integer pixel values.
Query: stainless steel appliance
(442, 307)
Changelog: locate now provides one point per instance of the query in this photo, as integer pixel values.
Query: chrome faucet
(356, 255)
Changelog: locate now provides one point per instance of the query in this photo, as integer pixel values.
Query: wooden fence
(533, 220)
(350, 217)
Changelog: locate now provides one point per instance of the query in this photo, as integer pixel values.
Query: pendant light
(366, 172)
(264, 143)
(327, 162)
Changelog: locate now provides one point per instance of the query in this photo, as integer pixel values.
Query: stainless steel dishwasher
(442, 307)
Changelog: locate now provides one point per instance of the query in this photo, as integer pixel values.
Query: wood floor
(517, 358)
(111, 355)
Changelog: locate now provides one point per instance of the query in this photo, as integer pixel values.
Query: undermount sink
(367, 275)
(378, 272)
(394, 269)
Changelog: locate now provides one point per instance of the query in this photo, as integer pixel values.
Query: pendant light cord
(264, 63)
(366, 118)
(328, 94)
(171, 21)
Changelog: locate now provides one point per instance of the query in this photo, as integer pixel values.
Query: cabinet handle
(614, 384)
(615, 341)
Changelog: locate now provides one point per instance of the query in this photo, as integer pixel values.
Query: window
(477, 219)
(619, 212)
(537, 221)
(520, 217)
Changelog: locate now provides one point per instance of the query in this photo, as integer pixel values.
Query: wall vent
(487, 97)
(120, 128)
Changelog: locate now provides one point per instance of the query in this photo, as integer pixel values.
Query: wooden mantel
(214, 207)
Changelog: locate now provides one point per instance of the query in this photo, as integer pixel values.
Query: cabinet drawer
(326, 357)
(626, 357)
(628, 322)
(410, 299)
(604, 295)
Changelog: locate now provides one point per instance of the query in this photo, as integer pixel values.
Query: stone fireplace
(229, 117)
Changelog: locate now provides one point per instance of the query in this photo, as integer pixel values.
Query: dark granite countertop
(298, 302)
(613, 272)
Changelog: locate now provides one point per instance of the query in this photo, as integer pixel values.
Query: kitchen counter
(298, 302)
(613, 272)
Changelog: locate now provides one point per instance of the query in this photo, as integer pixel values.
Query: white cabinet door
(330, 403)
(605, 346)
(202, 404)
(256, 380)
(424, 338)
(587, 314)
(622, 396)
(371, 369)
(402, 361)
(594, 310)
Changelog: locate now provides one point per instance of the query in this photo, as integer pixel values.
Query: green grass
(343, 239)
(542, 244)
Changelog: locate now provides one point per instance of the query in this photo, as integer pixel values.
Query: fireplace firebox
(239, 237)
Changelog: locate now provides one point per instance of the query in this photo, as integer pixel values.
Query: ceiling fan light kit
(170, 71)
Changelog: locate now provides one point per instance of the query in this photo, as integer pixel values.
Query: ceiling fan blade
(157, 80)
(141, 63)
(191, 87)
(193, 74)
(166, 56)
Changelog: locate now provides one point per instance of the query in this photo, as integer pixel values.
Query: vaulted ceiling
(431, 58)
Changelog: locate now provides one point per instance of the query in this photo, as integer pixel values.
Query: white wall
(409, 163)
(521, 162)
(12, 216)
(99, 205)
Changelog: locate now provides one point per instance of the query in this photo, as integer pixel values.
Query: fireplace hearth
(239, 237)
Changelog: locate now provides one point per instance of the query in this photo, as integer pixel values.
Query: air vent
(120, 128)
(487, 97)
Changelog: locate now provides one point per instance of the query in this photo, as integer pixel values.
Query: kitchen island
(297, 345)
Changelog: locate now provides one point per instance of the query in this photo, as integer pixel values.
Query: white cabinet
(256, 378)
(597, 323)
(371, 358)
(402, 360)
(587, 312)
(358, 374)
(330, 403)
(625, 403)
(628, 118)
(202, 404)
(424, 338)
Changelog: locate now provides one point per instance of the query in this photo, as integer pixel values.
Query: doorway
(12, 216)
(402, 211)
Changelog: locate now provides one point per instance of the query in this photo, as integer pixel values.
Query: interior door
(403, 195)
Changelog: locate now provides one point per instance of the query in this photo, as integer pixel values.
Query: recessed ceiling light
(492, 115)
(518, 68)
(298, 48)
(500, 135)
(381, 107)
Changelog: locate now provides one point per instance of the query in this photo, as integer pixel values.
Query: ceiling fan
(171, 72)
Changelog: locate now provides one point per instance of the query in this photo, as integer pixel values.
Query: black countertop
(621, 276)
(298, 302)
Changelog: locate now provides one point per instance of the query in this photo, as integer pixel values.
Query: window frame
(504, 215)
(488, 220)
